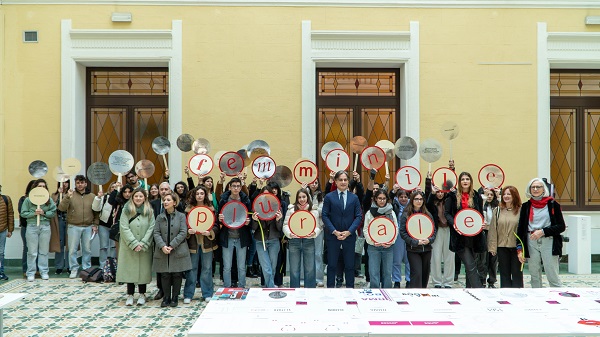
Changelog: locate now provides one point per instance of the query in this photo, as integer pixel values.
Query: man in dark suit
(342, 216)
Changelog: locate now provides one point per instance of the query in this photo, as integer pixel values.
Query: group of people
(152, 234)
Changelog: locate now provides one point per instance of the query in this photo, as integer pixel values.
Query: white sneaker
(129, 301)
(73, 274)
(141, 300)
(30, 278)
(187, 300)
(207, 299)
(45, 277)
(320, 284)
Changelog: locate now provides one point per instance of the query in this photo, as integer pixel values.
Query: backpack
(92, 274)
(109, 271)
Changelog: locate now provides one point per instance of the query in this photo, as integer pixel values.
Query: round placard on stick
(491, 176)
(408, 177)
(38, 168)
(161, 146)
(201, 146)
(120, 162)
(337, 160)
(282, 176)
(450, 130)
(71, 166)
(144, 168)
(201, 219)
(373, 157)
(405, 148)
(265, 206)
(444, 178)
(357, 145)
(382, 230)
(468, 222)
(38, 196)
(235, 214)
(201, 164)
(419, 226)
(388, 148)
(231, 163)
(99, 174)
(260, 147)
(328, 147)
(306, 172)
(302, 223)
(430, 151)
(184, 142)
(264, 167)
(59, 175)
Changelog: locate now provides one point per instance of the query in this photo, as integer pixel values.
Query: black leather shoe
(3, 277)
(396, 284)
(174, 303)
(455, 277)
(165, 303)
(437, 286)
(159, 295)
(58, 271)
(491, 285)
(407, 284)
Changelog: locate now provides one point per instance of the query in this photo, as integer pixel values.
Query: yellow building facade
(240, 71)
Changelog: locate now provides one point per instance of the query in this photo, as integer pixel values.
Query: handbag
(92, 274)
(359, 245)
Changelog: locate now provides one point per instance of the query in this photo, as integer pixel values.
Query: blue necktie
(342, 200)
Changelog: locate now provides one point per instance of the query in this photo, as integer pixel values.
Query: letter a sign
(419, 226)
(302, 223)
(382, 230)
(201, 219)
(265, 206)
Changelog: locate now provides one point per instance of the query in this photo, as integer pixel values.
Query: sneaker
(447, 287)
(30, 278)
(141, 300)
(129, 301)
(437, 286)
(187, 300)
(3, 277)
(74, 274)
(207, 299)
(58, 271)
(320, 284)
(45, 277)
(396, 284)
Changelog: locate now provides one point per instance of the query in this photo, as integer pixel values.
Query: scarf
(538, 204)
(386, 211)
(464, 200)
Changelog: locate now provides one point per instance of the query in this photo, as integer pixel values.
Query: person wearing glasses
(540, 224)
(418, 250)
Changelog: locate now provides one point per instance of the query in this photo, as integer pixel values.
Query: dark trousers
(420, 268)
(131, 288)
(24, 257)
(511, 275)
(467, 256)
(334, 250)
(159, 281)
(457, 264)
(171, 285)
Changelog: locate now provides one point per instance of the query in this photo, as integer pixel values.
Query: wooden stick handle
(387, 169)
(38, 216)
(165, 160)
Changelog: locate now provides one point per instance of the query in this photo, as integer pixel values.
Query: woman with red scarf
(540, 224)
(465, 246)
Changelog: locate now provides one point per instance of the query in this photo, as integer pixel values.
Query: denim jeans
(24, 256)
(61, 257)
(206, 278)
(107, 246)
(380, 261)
(268, 260)
(400, 256)
(2, 247)
(251, 251)
(38, 246)
(319, 242)
(228, 258)
(302, 250)
(540, 251)
(189, 289)
(79, 235)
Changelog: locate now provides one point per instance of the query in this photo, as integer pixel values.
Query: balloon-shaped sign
(184, 142)
(328, 147)
(382, 230)
(231, 163)
(201, 164)
(120, 162)
(265, 206)
(99, 174)
(405, 148)
(468, 222)
(144, 168)
(450, 130)
(71, 166)
(161, 146)
(38, 168)
(408, 177)
(431, 150)
(302, 223)
(282, 176)
(201, 146)
(201, 219)
(373, 157)
(235, 214)
(337, 160)
(306, 172)
(444, 178)
(38, 196)
(357, 145)
(419, 226)
(491, 176)
(264, 167)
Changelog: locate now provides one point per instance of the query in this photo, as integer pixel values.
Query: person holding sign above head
(502, 241)
(540, 224)
(302, 238)
(465, 246)
(317, 200)
(342, 215)
(418, 247)
(399, 199)
(38, 236)
(381, 254)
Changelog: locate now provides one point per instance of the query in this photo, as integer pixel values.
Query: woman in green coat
(135, 253)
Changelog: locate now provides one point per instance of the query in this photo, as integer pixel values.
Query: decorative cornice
(561, 42)
(132, 39)
(328, 3)
(348, 40)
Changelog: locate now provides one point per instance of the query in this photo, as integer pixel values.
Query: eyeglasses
(536, 187)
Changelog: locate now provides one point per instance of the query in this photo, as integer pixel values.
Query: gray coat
(179, 259)
(135, 267)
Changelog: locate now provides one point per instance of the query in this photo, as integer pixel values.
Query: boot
(177, 280)
(166, 290)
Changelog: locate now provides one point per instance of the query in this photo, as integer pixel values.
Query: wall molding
(326, 3)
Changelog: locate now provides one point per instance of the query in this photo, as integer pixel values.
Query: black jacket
(245, 236)
(458, 242)
(557, 226)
